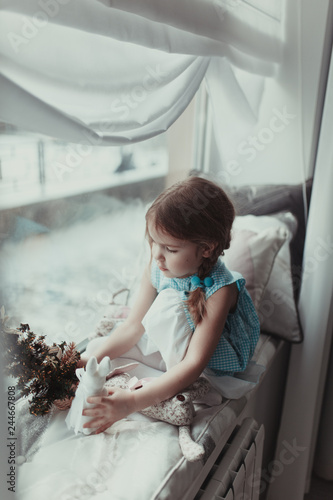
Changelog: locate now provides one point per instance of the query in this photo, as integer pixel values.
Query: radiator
(237, 470)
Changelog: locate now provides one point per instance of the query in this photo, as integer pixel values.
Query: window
(52, 251)
(34, 167)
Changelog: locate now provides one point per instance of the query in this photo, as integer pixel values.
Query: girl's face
(175, 258)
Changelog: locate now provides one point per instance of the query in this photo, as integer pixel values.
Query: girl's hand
(109, 409)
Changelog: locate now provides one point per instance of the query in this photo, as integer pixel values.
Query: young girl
(190, 309)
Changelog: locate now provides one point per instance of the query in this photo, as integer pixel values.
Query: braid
(196, 302)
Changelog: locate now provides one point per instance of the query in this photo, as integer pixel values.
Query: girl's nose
(157, 252)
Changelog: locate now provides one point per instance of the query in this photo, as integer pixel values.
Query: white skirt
(167, 330)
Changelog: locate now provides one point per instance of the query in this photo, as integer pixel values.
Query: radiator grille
(236, 472)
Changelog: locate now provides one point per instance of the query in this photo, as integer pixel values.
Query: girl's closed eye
(170, 250)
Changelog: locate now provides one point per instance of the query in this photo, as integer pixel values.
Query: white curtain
(115, 72)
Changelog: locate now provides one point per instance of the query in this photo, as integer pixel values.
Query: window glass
(34, 167)
(72, 225)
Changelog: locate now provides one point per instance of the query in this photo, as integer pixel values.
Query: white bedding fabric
(137, 458)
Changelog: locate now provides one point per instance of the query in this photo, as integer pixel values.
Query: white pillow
(252, 252)
(259, 250)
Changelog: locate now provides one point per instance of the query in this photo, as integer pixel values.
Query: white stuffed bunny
(92, 380)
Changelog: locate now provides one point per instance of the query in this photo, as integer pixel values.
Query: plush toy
(91, 383)
(178, 410)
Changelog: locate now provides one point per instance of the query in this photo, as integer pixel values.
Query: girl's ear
(208, 249)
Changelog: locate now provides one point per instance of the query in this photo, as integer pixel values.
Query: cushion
(278, 313)
(259, 250)
(252, 252)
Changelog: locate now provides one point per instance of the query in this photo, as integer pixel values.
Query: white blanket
(133, 460)
(138, 458)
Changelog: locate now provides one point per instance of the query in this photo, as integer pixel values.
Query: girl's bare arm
(201, 348)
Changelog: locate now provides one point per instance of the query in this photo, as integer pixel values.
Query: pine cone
(63, 404)
(70, 355)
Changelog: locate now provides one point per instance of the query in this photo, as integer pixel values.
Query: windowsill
(62, 190)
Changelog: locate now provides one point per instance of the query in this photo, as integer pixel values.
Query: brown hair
(199, 211)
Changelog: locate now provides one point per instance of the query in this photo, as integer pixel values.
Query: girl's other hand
(118, 404)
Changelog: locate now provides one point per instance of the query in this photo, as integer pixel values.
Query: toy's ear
(199, 388)
(104, 366)
(91, 366)
(79, 373)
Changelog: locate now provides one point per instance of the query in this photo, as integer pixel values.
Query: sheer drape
(112, 72)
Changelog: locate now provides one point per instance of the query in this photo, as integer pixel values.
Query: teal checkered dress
(241, 330)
